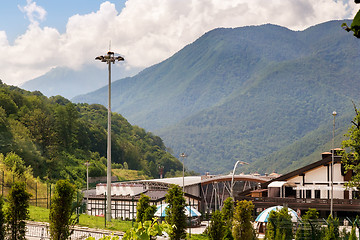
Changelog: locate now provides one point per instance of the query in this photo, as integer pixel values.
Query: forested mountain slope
(246, 94)
(55, 137)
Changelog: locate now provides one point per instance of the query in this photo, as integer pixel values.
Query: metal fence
(41, 231)
(40, 193)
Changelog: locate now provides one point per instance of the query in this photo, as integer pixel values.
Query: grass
(198, 237)
(129, 175)
(39, 214)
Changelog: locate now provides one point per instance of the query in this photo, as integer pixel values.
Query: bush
(144, 212)
(2, 220)
(17, 211)
(175, 212)
(242, 227)
(62, 210)
(279, 225)
(216, 227)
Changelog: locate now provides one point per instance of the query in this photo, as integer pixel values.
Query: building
(125, 196)
(310, 187)
(301, 189)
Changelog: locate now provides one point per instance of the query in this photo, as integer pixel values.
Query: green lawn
(39, 214)
(199, 237)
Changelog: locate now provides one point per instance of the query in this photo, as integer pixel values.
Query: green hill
(55, 137)
(254, 94)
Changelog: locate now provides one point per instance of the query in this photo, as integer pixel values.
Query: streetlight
(109, 58)
(232, 179)
(332, 167)
(183, 155)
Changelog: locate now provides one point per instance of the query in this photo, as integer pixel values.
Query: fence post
(190, 217)
(105, 209)
(78, 208)
(50, 195)
(36, 194)
(47, 195)
(133, 211)
(2, 186)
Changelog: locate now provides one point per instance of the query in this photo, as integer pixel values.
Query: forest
(55, 137)
(259, 94)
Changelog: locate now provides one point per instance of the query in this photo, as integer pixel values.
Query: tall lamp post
(183, 155)
(332, 167)
(232, 178)
(108, 59)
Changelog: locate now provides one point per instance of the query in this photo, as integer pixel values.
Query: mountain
(55, 137)
(69, 83)
(249, 94)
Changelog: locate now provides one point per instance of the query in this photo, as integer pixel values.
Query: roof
(277, 184)
(259, 190)
(188, 181)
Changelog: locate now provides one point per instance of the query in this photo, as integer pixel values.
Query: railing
(300, 200)
(41, 231)
(304, 203)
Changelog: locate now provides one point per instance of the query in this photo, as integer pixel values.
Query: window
(317, 193)
(308, 193)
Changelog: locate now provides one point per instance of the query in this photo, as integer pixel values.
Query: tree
(2, 220)
(355, 25)
(242, 227)
(216, 227)
(144, 211)
(175, 212)
(17, 211)
(279, 225)
(62, 210)
(332, 230)
(14, 163)
(309, 229)
(227, 213)
(351, 157)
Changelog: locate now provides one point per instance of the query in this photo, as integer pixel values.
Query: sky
(38, 35)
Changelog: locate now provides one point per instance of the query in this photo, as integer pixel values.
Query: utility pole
(332, 167)
(183, 155)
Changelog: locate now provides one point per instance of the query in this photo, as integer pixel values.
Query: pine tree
(144, 211)
(227, 213)
(242, 227)
(332, 230)
(309, 229)
(62, 211)
(216, 227)
(175, 212)
(279, 225)
(17, 211)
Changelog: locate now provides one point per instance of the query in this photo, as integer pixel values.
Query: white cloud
(33, 12)
(147, 32)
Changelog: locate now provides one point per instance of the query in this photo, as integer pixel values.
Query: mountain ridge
(257, 89)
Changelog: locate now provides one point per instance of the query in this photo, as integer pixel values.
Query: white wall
(317, 179)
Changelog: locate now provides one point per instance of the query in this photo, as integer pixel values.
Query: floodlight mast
(109, 58)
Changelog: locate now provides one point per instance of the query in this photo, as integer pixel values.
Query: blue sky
(69, 33)
(14, 22)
